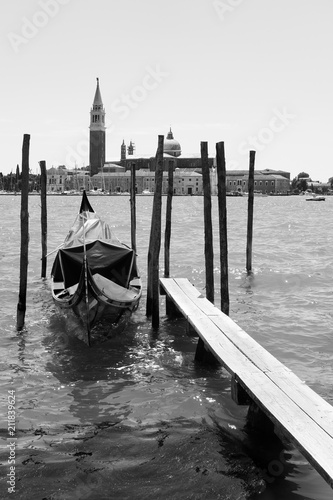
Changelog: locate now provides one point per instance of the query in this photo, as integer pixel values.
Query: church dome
(171, 146)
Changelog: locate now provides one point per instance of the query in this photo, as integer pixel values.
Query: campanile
(97, 133)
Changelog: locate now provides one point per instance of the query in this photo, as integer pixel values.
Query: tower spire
(170, 134)
(98, 98)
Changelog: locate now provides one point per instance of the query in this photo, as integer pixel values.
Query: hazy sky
(256, 74)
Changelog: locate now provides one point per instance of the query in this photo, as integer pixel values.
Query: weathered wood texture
(43, 216)
(250, 213)
(168, 218)
(297, 412)
(133, 208)
(21, 306)
(153, 297)
(209, 252)
(222, 197)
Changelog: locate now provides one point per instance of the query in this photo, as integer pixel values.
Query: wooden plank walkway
(297, 412)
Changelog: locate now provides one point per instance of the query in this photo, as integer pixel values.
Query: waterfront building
(114, 178)
(56, 179)
(265, 181)
(60, 179)
(185, 182)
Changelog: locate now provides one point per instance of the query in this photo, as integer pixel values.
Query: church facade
(172, 155)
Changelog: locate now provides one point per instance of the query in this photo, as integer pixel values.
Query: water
(135, 417)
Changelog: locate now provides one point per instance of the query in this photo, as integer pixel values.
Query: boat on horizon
(95, 279)
(315, 197)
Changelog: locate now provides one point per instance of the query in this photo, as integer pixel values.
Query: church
(187, 168)
(115, 176)
(97, 147)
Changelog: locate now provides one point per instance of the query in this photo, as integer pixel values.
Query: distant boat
(315, 197)
(235, 193)
(96, 192)
(259, 193)
(95, 279)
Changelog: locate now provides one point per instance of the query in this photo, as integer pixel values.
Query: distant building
(265, 181)
(60, 179)
(172, 154)
(56, 179)
(185, 182)
(317, 186)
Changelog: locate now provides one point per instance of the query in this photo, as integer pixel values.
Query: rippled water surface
(136, 417)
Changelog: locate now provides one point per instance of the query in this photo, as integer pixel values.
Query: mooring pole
(222, 202)
(21, 306)
(250, 214)
(43, 216)
(209, 251)
(133, 208)
(201, 354)
(153, 296)
(167, 234)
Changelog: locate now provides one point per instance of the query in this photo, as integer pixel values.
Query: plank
(308, 400)
(198, 299)
(260, 357)
(183, 303)
(313, 404)
(294, 408)
(312, 440)
(225, 351)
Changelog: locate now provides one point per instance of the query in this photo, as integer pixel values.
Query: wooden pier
(277, 398)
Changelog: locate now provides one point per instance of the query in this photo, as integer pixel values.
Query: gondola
(95, 278)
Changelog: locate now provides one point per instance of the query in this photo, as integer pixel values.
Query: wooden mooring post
(222, 202)
(153, 295)
(42, 165)
(21, 306)
(133, 207)
(250, 214)
(209, 251)
(168, 217)
(202, 354)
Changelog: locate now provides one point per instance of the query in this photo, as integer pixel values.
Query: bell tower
(97, 133)
(123, 151)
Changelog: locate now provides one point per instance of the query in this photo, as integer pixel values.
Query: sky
(255, 74)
